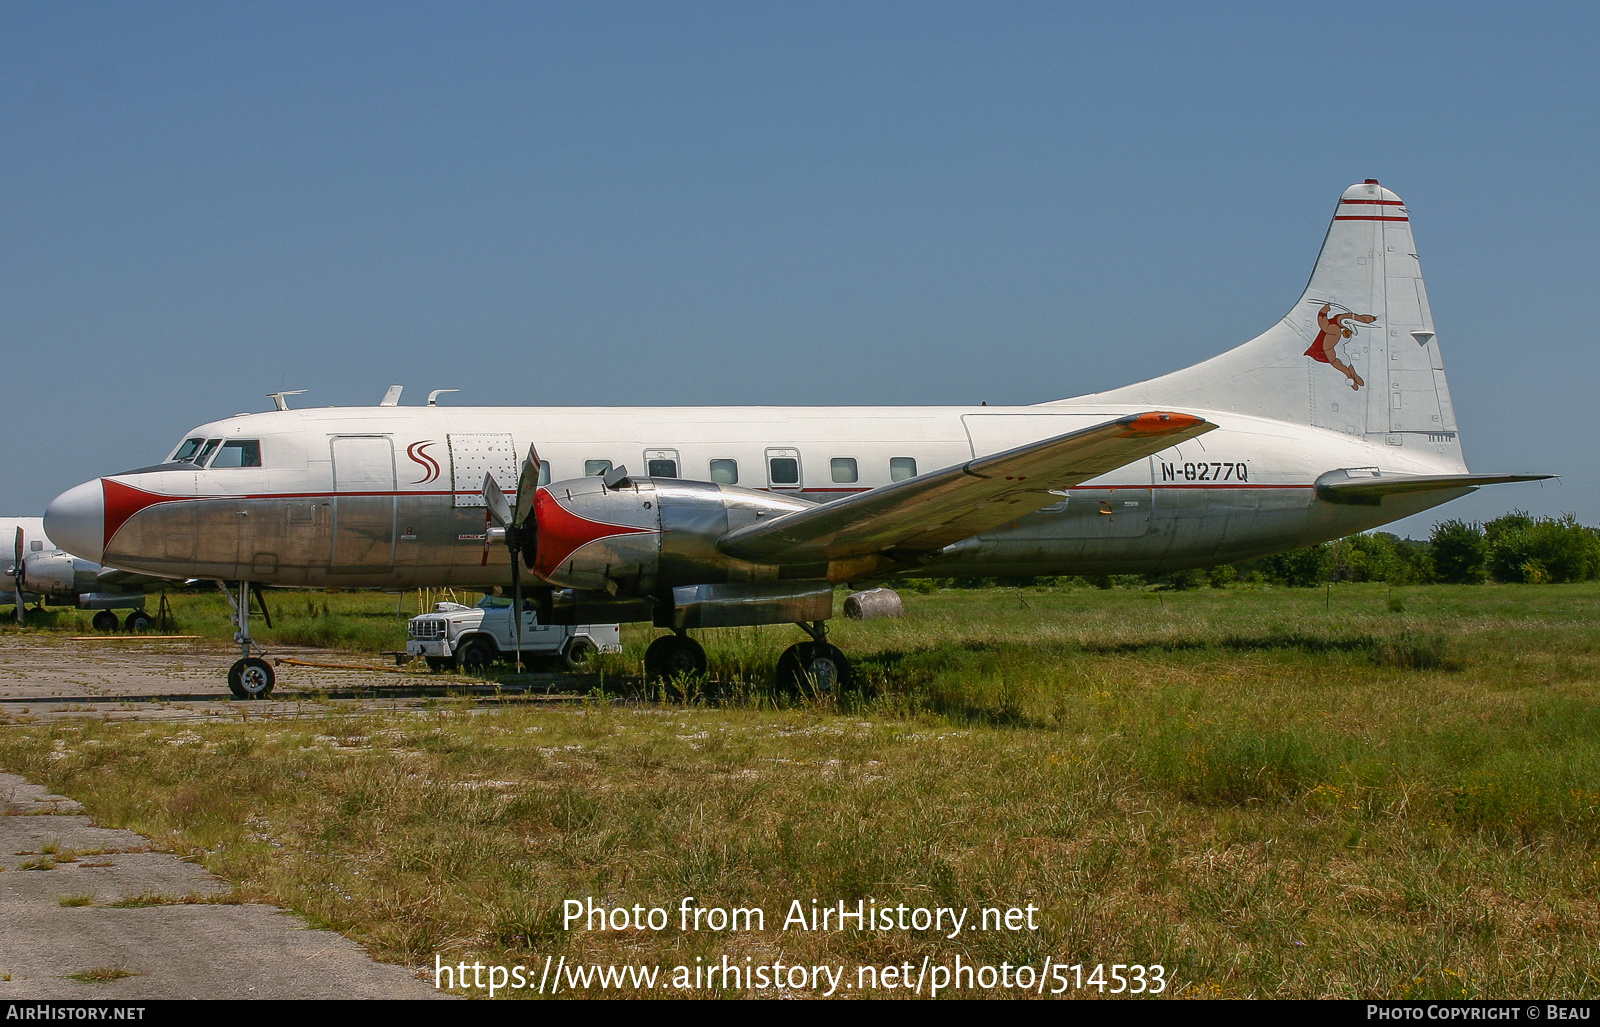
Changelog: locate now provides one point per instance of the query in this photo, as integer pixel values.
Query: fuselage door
(661, 463)
(363, 503)
(783, 470)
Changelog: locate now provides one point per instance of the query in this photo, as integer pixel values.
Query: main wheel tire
(251, 678)
(674, 656)
(105, 620)
(814, 668)
(476, 655)
(580, 655)
(439, 662)
(138, 620)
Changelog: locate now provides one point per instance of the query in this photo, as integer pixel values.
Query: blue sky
(685, 203)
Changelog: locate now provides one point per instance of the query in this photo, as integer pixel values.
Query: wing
(110, 577)
(930, 511)
(1366, 486)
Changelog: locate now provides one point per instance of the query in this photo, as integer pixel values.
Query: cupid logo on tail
(1334, 330)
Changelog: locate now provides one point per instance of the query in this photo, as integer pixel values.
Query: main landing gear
(138, 620)
(250, 677)
(815, 667)
(674, 656)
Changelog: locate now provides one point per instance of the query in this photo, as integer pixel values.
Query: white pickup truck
(473, 637)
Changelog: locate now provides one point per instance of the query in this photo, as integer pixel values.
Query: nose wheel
(251, 678)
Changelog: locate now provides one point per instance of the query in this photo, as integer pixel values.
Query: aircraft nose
(76, 520)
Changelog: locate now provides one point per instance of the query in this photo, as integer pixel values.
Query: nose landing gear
(250, 677)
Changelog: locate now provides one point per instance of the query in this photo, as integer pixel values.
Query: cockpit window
(239, 453)
(187, 451)
(205, 454)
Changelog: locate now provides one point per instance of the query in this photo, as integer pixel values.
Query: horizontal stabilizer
(1366, 486)
(926, 513)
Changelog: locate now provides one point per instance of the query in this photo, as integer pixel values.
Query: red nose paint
(122, 502)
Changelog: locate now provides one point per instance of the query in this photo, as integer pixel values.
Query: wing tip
(1158, 422)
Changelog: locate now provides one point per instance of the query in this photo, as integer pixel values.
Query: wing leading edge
(928, 512)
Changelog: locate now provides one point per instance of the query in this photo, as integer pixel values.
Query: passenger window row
(781, 470)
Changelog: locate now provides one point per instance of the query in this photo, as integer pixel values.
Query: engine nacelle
(54, 573)
(646, 536)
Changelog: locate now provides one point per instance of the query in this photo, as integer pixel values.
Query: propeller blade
(525, 525)
(527, 485)
(16, 575)
(516, 608)
(499, 508)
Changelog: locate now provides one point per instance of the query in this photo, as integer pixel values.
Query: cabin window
(205, 454)
(902, 467)
(662, 468)
(36, 546)
(844, 469)
(784, 470)
(544, 473)
(239, 453)
(187, 451)
(592, 468)
(725, 472)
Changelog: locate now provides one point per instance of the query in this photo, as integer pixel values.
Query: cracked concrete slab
(61, 878)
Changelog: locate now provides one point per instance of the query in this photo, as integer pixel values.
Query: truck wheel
(105, 620)
(439, 662)
(580, 655)
(475, 655)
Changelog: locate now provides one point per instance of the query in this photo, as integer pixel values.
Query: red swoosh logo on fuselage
(417, 451)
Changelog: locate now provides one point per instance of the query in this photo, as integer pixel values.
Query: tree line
(1516, 548)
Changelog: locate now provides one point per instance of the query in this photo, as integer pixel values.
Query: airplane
(40, 570)
(1334, 420)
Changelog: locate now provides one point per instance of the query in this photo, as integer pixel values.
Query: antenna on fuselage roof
(280, 400)
(392, 397)
(433, 397)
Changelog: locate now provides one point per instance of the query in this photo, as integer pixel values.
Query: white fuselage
(391, 496)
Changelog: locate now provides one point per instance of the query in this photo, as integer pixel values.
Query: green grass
(1268, 791)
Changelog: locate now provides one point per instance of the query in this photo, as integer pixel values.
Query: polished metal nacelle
(656, 538)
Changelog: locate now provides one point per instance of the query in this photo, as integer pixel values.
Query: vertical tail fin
(1356, 354)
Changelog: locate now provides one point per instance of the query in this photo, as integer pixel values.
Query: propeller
(16, 574)
(521, 531)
